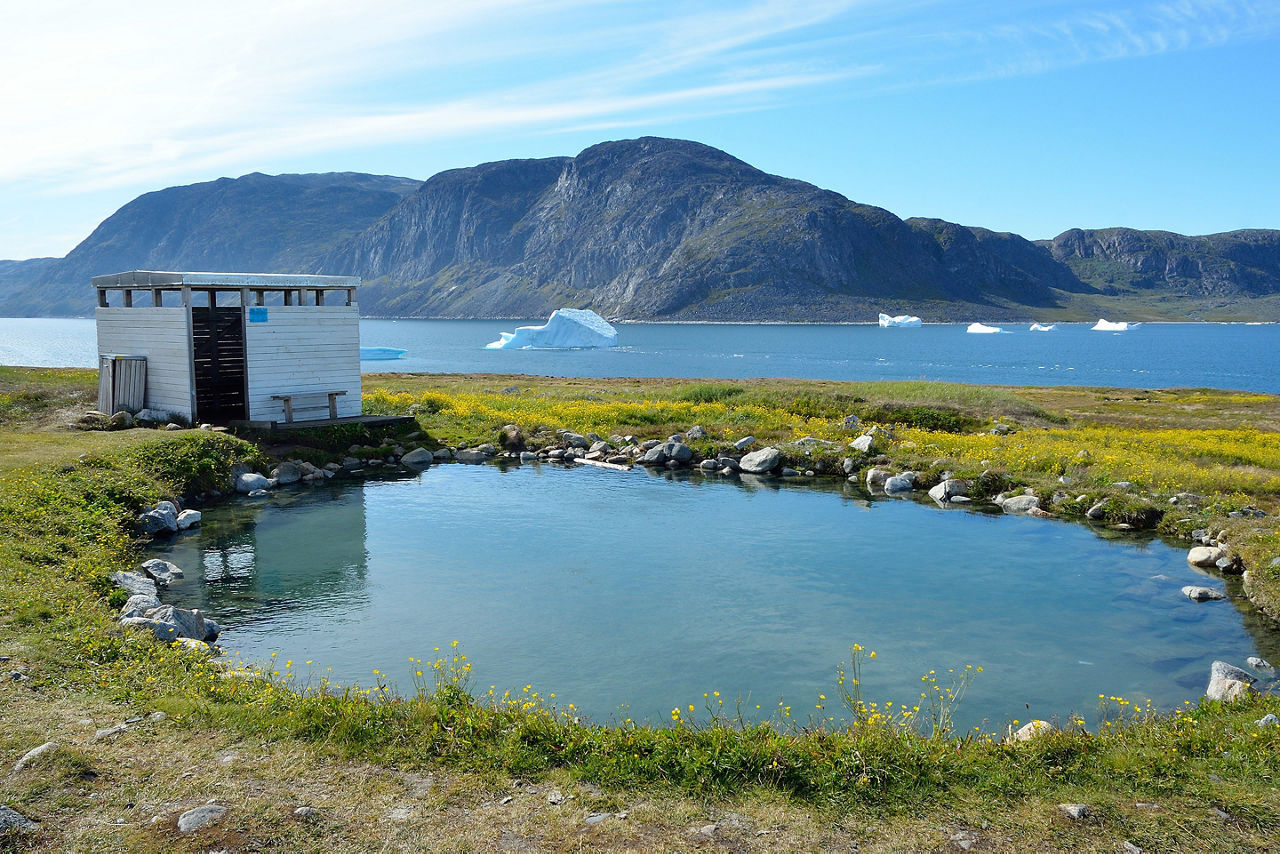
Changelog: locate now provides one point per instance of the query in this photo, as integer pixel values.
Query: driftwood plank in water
(601, 464)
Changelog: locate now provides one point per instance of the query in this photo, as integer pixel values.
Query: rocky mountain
(258, 223)
(650, 229)
(659, 228)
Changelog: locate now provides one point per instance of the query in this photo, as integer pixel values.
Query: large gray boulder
(1223, 670)
(761, 461)
(1020, 505)
(482, 454)
(250, 481)
(171, 623)
(163, 518)
(678, 451)
(904, 482)
(864, 444)
(948, 489)
(134, 583)
(1205, 556)
(573, 440)
(162, 572)
(876, 477)
(287, 472)
(1228, 682)
(138, 605)
(655, 456)
(418, 458)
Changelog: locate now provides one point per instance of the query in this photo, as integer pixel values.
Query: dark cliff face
(1113, 260)
(658, 228)
(257, 223)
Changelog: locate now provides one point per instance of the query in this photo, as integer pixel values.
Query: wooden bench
(303, 400)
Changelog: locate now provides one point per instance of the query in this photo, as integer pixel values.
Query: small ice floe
(379, 354)
(1040, 327)
(983, 329)
(1113, 326)
(901, 320)
(565, 329)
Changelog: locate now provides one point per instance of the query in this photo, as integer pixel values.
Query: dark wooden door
(217, 343)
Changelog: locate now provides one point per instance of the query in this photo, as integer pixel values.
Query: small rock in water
(1202, 594)
(1259, 663)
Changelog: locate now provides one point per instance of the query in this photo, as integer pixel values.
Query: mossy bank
(365, 770)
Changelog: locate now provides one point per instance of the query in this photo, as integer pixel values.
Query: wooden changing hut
(223, 347)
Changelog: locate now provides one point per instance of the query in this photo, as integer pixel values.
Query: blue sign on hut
(221, 347)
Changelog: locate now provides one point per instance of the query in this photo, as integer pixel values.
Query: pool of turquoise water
(630, 593)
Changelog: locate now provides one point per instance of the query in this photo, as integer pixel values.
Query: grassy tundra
(441, 768)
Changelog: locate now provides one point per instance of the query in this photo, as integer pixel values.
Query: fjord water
(630, 593)
(1227, 356)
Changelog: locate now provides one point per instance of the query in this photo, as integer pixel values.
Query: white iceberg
(1040, 327)
(1117, 326)
(900, 320)
(983, 329)
(565, 329)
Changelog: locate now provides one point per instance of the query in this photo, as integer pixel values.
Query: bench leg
(288, 410)
(333, 406)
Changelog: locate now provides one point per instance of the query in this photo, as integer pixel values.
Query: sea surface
(1163, 355)
(630, 593)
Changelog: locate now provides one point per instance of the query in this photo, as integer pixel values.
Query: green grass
(67, 523)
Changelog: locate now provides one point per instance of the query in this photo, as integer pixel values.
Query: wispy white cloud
(170, 88)
(103, 95)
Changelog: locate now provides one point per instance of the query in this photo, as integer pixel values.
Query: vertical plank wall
(303, 349)
(163, 335)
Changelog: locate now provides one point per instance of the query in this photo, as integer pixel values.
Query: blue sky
(1031, 116)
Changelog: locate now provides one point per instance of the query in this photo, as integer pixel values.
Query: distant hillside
(1120, 260)
(650, 229)
(258, 223)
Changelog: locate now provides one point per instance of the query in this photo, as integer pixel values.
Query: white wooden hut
(221, 347)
